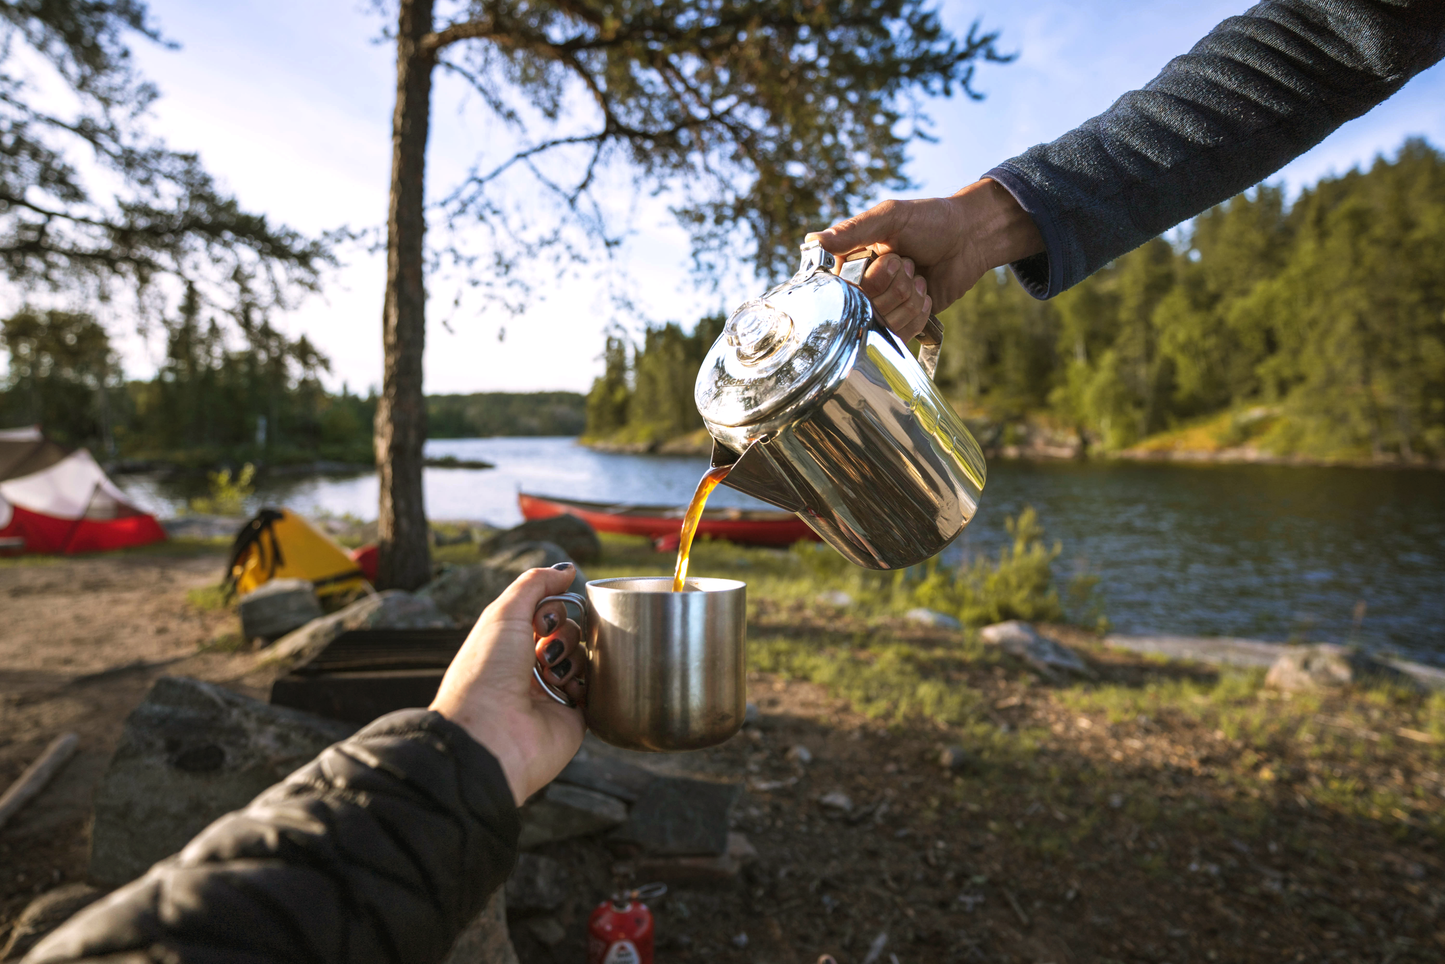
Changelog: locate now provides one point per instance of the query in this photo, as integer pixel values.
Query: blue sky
(289, 104)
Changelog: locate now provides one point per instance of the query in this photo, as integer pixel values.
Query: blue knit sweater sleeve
(1259, 90)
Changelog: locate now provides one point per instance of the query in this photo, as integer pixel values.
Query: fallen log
(37, 775)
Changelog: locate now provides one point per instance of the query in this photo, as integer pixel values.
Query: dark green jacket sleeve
(381, 849)
(1258, 91)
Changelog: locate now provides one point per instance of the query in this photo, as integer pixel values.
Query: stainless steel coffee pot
(821, 410)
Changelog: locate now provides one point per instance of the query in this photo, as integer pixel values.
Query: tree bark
(401, 411)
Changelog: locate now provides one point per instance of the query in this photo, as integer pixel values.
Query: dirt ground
(1111, 839)
(81, 641)
(1112, 843)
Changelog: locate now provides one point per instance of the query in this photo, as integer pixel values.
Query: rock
(615, 778)
(835, 597)
(836, 801)
(517, 559)
(462, 592)
(927, 617)
(955, 759)
(563, 811)
(189, 753)
(740, 940)
(275, 608)
(699, 870)
(1048, 657)
(751, 715)
(393, 609)
(485, 940)
(537, 884)
(548, 931)
(576, 538)
(800, 754)
(676, 816)
(45, 913)
(1327, 666)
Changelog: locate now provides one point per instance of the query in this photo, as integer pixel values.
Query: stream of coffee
(710, 480)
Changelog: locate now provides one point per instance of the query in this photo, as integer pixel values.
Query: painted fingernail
(550, 621)
(554, 649)
(562, 669)
(562, 566)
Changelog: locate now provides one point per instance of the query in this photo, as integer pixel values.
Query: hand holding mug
(489, 691)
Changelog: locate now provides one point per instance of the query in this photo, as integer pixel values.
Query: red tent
(53, 499)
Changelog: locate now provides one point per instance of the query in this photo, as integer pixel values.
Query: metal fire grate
(366, 673)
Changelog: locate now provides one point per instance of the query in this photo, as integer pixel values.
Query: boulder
(45, 913)
(486, 939)
(189, 753)
(563, 811)
(275, 608)
(577, 538)
(928, 617)
(518, 558)
(676, 816)
(616, 778)
(537, 884)
(1018, 638)
(462, 592)
(1327, 666)
(393, 609)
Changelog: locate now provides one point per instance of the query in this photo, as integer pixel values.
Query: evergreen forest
(1314, 328)
(222, 396)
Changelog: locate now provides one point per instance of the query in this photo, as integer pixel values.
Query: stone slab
(676, 816)
(563, 811)
(275, 608)
(189, 753)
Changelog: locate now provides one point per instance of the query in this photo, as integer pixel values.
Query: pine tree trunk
(401, 411)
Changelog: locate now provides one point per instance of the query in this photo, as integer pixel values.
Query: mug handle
(537, 667)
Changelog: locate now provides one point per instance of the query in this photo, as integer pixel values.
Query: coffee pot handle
(930, 339)
(538, 666)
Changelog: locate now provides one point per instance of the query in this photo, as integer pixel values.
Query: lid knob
(757, 330)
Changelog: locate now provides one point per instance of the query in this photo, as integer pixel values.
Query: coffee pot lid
(779, 351)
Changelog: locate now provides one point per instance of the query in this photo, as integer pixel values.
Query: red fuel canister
(620, 929)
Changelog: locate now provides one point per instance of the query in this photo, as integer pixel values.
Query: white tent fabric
(30, 433)
(73, 488)
(6, 513)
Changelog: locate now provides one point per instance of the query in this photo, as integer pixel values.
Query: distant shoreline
(692, 444)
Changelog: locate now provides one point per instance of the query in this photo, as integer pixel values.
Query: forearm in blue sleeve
(1259, 90)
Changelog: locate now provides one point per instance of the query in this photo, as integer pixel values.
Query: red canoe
(661, 523)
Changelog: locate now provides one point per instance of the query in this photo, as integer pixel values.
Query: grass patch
(896, 682)
(208, 599)
(225, 641)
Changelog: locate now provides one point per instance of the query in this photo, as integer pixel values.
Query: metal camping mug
(666, 670)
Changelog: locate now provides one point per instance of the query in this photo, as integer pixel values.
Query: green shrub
(1019, 586)
(227, 495)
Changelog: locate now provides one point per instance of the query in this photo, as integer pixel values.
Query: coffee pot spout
(753, 472)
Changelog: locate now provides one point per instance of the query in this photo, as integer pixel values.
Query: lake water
(1265, 552)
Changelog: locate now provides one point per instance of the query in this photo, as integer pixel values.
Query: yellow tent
(279, 544)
